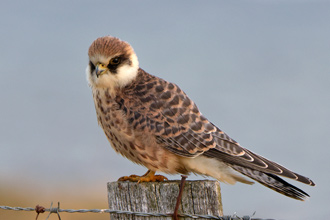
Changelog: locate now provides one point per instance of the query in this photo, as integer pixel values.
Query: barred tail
(273, 182)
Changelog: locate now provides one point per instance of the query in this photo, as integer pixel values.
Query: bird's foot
(147, 177)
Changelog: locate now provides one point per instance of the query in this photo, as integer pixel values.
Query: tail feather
(270, 166)
(273, 182)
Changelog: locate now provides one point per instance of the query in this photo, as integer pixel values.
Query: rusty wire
(145, 214)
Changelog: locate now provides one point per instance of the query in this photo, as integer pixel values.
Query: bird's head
(112, 63)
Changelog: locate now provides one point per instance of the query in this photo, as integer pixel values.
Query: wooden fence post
(199, 197)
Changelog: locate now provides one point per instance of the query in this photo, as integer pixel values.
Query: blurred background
(260, 70)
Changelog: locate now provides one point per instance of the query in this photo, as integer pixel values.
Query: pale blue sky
(260, 70)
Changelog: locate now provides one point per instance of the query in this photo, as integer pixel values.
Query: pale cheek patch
(125, 75)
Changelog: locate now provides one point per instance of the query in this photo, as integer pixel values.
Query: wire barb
(39, 209)
(54, 210)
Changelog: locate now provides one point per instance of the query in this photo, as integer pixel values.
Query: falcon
(152, 122)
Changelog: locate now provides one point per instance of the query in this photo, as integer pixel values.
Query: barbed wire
(144, 214)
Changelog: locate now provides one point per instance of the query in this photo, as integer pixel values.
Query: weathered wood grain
(199, 197)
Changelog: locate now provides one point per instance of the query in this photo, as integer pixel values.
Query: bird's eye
(115, 61)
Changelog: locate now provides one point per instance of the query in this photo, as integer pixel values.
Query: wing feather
(172, 117)
(166, 113)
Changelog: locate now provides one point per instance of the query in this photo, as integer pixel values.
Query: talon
(130, 178)
(123, 178)
(149, 176)
(160, 178)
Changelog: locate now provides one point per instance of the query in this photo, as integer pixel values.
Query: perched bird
(153, 123)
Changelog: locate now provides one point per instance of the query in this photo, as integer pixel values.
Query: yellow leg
(149, 176)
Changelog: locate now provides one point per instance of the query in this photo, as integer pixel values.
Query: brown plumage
(152, 122)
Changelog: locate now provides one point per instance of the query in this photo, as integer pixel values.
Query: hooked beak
(100, 69)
